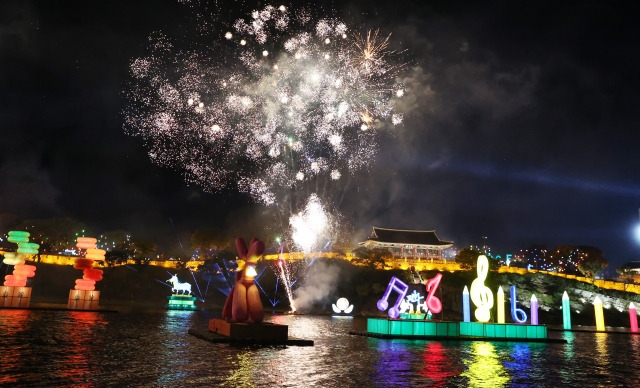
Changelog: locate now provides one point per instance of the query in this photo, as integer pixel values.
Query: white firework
(311, 225)
(274, 104)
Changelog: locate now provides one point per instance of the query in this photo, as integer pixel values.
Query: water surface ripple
(64, 348)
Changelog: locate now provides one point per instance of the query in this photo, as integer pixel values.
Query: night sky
(520, 123)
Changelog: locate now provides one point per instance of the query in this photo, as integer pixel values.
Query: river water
(46, 348)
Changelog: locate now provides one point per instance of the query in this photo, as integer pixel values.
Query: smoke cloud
(320, 282)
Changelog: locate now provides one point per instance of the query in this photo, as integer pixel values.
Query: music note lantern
(433, 303)
(481, 295)
(401, 288)
(518, 315)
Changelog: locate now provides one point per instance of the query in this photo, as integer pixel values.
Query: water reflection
(602, 367)
(393, 367)
(12, 325)
(437, 365)
(174, 350)
(241, 373)
(65, 349)
(635, 349)
(520, 362)
(568, 355)
(484, 369)
(81, 344)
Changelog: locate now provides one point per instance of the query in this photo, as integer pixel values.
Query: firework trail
(282, 104)
(285, 279)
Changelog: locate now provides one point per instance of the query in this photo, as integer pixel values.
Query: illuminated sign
(480, 294)
(507, 258)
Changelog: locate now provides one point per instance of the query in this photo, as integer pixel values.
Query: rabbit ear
(241, 247)
(256, 249)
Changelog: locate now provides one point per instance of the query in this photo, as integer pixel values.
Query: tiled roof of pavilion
(408, 237)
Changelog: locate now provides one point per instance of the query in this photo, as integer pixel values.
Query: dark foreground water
(61, 348)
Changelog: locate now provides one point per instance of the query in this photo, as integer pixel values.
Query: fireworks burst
(311, 225)
(278, 103)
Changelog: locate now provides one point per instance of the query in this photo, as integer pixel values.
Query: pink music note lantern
(433, 303)
(401, 288)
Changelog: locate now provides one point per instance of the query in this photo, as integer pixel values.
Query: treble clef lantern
(480, 294)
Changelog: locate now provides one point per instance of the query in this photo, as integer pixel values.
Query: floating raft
(248, 333)
(221, 339)
(181, 302)
(457, 331)
(610, 331)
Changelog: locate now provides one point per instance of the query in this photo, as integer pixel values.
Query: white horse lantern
(184, 288)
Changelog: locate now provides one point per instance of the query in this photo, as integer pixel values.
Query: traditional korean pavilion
(416, 244)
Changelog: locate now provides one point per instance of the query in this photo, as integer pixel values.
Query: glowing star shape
(480, 294)
(176, 286)
(342, 306)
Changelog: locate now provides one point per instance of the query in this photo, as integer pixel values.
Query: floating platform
(249, 330)
(585, 330)
(182, 302)
(15, 296)
(248, 333)
(221, 339)
(81, 300)
(457, 331)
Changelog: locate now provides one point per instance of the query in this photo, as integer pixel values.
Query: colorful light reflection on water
(62, 348)
(484, 368)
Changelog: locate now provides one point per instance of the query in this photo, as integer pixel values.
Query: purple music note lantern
(401, 288)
